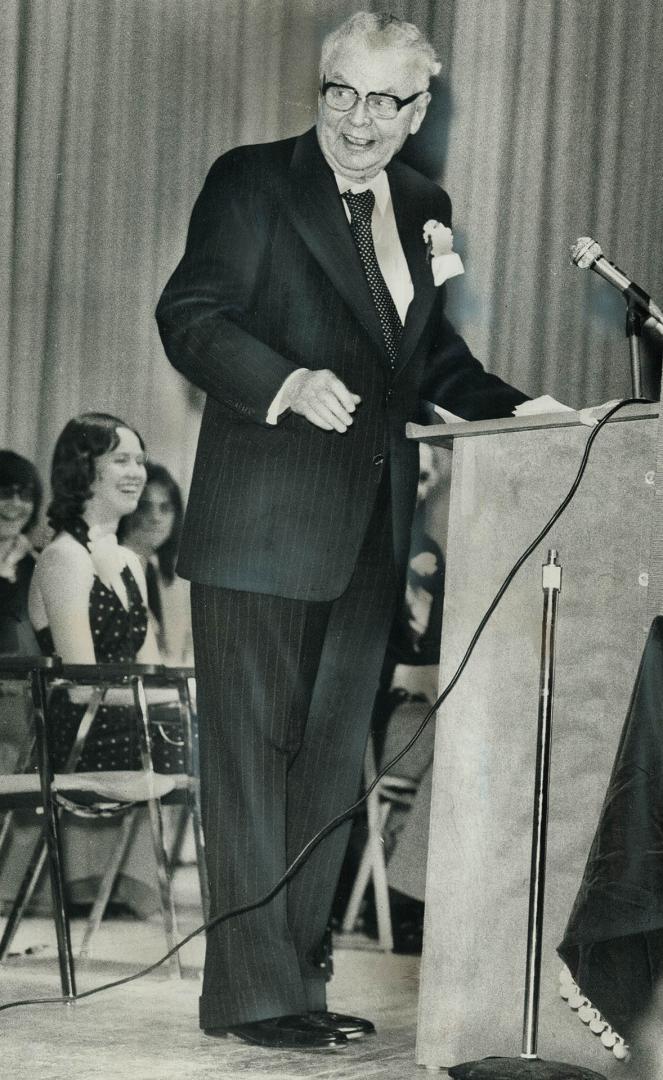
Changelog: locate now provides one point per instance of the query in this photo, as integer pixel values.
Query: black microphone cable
(313, 843)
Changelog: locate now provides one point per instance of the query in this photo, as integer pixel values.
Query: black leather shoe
(296, 1032)
(353, 1027)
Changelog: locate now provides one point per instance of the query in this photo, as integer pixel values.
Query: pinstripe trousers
(285, 694)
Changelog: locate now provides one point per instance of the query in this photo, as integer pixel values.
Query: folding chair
(111, 793)
(391, 791)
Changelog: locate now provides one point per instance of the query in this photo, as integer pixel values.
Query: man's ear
(419, 112)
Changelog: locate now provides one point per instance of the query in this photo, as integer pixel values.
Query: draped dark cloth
(613, 944)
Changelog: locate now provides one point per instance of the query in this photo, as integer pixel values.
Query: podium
(508, 476)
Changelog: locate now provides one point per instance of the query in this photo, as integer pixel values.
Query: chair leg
(372, 861)
(377, 817)
(372, 865)
(156, 825)
(191, 813)
(362, 878)
(164, 880)
(193, 768)
(5, 829)
(24, 895)
(180, 824)
(52, 836)
(127, 829)
(201, 860)
(25, 756)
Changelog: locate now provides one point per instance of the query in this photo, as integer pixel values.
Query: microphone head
(585, 252)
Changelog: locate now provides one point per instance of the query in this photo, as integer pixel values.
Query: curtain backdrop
(555, 133)
(545, 126)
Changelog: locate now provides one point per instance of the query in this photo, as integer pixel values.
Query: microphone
(587, 254)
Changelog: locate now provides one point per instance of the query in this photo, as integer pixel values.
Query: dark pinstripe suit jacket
(271, 281)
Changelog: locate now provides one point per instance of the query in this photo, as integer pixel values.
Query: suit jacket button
(378, 459)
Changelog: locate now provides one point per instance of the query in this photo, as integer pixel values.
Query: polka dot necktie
(361, 205)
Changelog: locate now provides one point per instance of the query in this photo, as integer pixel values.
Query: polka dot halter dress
(118, 634)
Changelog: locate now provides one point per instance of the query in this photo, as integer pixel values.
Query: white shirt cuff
(277, 407)
(543, 404)
(448, 417)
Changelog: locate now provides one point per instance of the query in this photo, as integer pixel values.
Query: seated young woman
(88, 597)
(153, 532)
(88, 603)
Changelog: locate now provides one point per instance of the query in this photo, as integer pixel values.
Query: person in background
(20, 501)
(88, 604)
(153, 532)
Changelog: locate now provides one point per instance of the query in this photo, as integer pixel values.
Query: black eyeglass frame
(399, 102)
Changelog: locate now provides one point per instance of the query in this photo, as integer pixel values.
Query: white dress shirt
(388, 248)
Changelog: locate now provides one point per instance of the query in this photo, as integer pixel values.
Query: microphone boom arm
(587, 255)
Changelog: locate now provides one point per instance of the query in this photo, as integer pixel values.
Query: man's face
(357, 144)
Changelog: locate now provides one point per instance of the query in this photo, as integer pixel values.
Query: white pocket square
(446, 266)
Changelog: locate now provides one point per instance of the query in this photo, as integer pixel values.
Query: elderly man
(306, 308)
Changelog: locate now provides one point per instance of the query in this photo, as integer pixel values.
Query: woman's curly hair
(73, 470)
(167, 553)
(17, 471)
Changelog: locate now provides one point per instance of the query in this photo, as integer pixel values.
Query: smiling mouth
(353, 140)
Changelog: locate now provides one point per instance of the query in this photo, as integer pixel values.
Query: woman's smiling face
(120, 478)
(16, 506)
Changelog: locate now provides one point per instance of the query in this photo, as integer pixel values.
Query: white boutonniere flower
(444, 261)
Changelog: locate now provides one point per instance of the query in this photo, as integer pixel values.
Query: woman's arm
(60, 597)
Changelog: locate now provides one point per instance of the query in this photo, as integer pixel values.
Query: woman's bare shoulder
(64, 555)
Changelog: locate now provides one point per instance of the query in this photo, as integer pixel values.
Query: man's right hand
(322, 398)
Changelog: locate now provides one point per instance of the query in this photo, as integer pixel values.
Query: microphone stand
(529, 1065)
(634, 323)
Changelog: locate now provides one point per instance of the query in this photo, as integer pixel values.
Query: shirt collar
(379, 185)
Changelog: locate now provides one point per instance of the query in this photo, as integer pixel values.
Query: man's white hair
(380, 30)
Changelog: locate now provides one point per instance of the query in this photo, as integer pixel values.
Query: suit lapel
(315, 208)
(410, 220)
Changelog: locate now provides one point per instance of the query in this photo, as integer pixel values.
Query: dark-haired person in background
(153, 531)
(20, 501)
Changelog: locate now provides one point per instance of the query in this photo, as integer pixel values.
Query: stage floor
(148, 1030)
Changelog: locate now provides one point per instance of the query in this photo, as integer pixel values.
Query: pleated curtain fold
(546, 127)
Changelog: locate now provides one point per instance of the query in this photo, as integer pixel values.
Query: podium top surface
(444, 434)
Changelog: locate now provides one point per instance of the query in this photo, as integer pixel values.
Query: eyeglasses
(343, 98)
(24, 491)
